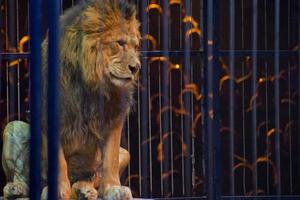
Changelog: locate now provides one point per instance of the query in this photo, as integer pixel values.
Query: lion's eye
(122, 43)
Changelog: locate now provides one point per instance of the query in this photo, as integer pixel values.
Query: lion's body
(98, 71)
(88, 112)
(92, 105)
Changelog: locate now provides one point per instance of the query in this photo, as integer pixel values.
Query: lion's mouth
(126, 78)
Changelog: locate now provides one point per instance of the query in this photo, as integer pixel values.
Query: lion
(99, 65)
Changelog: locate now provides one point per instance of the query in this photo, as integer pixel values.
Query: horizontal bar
(222, 53)
(287, 197)
(14, 56)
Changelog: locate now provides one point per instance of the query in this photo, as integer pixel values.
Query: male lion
(99, 62)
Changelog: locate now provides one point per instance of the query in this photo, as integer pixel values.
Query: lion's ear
(128, 9)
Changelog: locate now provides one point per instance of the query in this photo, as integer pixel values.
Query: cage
(217, 103)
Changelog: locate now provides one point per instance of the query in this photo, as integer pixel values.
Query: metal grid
(217, 109)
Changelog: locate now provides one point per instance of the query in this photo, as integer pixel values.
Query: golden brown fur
(99, 61)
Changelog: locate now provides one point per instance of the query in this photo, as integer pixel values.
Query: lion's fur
(90, 102)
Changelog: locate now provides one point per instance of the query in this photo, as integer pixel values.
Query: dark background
(14, 25)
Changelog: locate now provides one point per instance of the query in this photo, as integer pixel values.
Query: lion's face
(102, 42)
(121, 53)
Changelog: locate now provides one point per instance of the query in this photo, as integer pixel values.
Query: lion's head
(102, 40)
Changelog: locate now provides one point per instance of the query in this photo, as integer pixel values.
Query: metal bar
(298, 18)
(181, 15)
(243, 95)
(266, 95)
(13, 56)
(144, 110)
(18, 65)
(216, 100)
(35, 98)
(212, 102)
(53, 97)
(128, 146)
(254, 79)
(2, 179)
(289, 96)
(12, 71)
(277, 96)
(225, 53)
(172, 53)
(165, 100)
(203, 103)
(204, 108)
(231, 95)
(187, 129)
(192, 114)
(160, 99)
(149, 113)
(170, 94)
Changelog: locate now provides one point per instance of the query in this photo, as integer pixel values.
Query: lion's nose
(134, 68)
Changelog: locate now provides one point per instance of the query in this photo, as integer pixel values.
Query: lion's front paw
(15, 190)
(64, 192)
(84, 190)
(117, 193)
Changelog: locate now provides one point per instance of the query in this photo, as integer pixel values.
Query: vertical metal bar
(204, 106)
(53, 97)
(298, 18)
(254, 111)
(192, 116)
(7, 47)
(18, 65)
(171, 114)
(160, 128)
(187, 130)
(149, 113)
(140, 135)
(12, 70)
(35, 98)
(243, 97)
(128, 145)
(2, 179)
(216, 101)
(289, 105)
(211, 103)
(203, 43)
(181, 116)
(231, 90)
(1, 50)
(144, 110)
(165, 99)
(277, 96)
(266, 91)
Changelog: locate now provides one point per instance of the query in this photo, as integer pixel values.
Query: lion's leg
(64, 186)
(15, 159)
(110, 187)
(124, 158)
